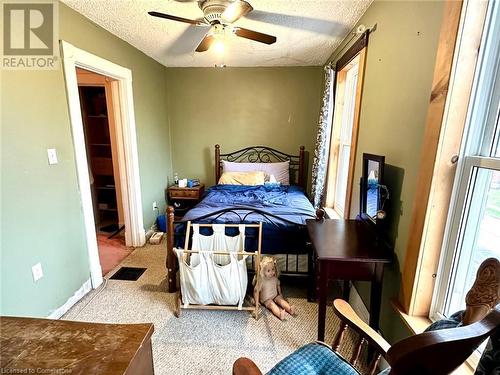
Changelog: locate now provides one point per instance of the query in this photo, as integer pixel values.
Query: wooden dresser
(43, 346)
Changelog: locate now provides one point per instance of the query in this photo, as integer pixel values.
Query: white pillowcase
(280, 170)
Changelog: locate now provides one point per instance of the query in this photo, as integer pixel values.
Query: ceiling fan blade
(206, 43)
(180, 19)
(236, 10)
(254, 35)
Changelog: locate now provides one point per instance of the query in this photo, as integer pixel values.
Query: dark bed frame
(263, 154)
(254, 154)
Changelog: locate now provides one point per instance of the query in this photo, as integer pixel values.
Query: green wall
(398, 77)
(239, 107)
(41, 212)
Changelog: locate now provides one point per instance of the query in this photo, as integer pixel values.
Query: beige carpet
(199, 342)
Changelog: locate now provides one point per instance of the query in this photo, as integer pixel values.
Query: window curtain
(321, 151)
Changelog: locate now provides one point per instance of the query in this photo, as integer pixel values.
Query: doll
(268, 285)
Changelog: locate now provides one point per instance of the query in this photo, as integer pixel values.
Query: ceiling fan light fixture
(235, 10)
(219, 46)
(219, 16)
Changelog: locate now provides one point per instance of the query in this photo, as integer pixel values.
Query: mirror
(373, 191)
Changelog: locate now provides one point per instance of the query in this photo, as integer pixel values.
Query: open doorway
(122, 108)
(96, 103)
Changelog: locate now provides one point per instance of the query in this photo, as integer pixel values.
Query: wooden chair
(432, 352)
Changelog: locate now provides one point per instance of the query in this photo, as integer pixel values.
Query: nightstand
(184, 198)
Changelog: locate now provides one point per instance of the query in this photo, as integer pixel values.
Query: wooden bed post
(257, 273)
(171, 261)
(217, 163)
(302, 180)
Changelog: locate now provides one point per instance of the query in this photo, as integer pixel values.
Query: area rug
(111, 251)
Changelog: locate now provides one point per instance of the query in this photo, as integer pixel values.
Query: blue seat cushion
(453, 321)
(311, 359)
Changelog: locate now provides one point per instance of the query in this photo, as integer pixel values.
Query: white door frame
(127, 148)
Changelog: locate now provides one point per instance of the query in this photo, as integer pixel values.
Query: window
(344, 135)
(473, 228)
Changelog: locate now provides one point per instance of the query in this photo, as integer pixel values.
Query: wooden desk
(43, 346)
(347, 250)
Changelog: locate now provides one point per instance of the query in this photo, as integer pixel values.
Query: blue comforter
(282, 202)
(284, 212)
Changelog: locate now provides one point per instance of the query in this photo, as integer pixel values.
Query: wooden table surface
(66, 347)
(347, 240)
(347, 250)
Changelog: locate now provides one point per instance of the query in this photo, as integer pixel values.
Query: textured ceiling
(307, 31)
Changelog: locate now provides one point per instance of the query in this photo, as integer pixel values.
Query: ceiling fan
(219, 15)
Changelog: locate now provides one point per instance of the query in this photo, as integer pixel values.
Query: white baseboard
(358, 305)
(142, 238)
(84, 289)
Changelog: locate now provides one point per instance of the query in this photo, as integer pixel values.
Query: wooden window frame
(356, 51)
(456, 61)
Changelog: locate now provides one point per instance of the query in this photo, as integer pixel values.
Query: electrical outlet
(155, 205)
(37, 271)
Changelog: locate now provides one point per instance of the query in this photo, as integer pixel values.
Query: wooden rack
(256, 254)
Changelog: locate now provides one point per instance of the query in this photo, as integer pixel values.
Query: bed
(282, 209)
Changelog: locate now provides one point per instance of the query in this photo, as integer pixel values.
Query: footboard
(171, 258)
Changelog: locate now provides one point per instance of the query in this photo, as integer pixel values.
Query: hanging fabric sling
(213, 273)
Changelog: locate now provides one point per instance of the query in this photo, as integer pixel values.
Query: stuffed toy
(268, 285)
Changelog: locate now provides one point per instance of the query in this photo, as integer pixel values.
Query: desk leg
(376, 295)
(322, 287)
(311, 277)
(346, 290)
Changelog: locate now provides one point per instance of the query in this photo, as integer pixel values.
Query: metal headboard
(263, 154)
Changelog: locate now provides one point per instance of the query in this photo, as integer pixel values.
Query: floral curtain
(320, 163)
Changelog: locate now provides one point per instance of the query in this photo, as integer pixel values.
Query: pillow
(242, 178)
(272, 179)
(280, 170)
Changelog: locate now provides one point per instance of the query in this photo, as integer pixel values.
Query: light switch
(37, 271)
(52, 154)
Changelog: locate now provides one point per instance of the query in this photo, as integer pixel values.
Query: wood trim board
(355, 129)
(455, 66)
(352, 52)
(442, 71)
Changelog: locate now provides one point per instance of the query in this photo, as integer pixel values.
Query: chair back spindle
(357, 351)
(339, 336)
(374, 365)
